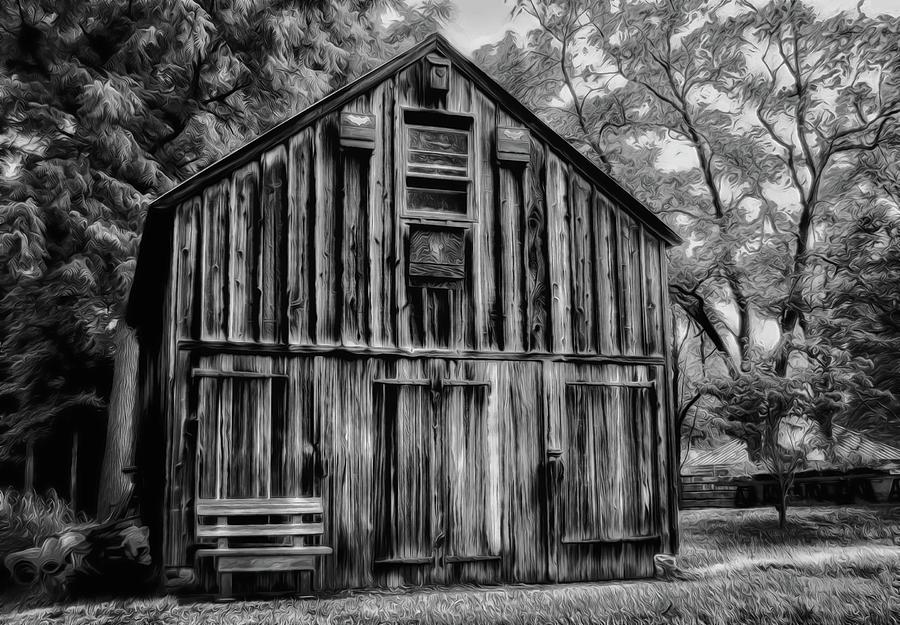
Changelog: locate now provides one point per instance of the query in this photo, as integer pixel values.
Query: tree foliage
(103, 106)
(862, 331)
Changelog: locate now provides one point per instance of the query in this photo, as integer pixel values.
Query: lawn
(830, 565)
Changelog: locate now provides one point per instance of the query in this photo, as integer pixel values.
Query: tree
(862, 330)
(106, 105)
(769, 108)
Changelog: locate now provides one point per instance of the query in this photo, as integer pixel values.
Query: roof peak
(435, 41)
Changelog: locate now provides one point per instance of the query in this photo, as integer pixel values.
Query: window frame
(431, 119)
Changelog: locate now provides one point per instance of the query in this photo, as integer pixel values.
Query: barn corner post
(671, 401)
(380, 323)
(148, 322)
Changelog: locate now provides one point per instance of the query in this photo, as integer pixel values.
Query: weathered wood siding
(307, 246)
(605, 518)
(531, 444)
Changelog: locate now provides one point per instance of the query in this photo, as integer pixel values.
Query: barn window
(438, 164)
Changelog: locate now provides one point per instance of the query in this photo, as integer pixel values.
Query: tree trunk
(782, 506)
(29, 466)
(121, 424)
(73, 471)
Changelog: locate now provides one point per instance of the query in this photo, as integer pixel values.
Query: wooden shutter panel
(471, 446)
(607, 491)
(403, 473)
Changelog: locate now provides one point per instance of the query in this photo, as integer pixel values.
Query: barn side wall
(300, 259)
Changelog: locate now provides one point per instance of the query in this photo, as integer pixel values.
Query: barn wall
(306, 246)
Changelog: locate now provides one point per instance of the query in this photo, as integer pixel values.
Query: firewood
(111, 551)
(24, 566)
(51, 559)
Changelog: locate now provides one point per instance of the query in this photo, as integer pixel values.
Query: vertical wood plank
(511, 264)
(582, 265)
(390, 259)
(558, 220)
(207, 443)
(242, 253)
(535, 261)
(327, 236)
(301, 239)
(378, 203)
(214, 273)
(405, 93)
(652, 293)
(608, 305)
(181, 463)
(271, 277)
(518, 402)
(355, 262)
(489, 328)
(351, 332)
(187, 242)
(632, 283)
(512, 234)
(460, 95)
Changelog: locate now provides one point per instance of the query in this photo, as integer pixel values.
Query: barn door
(437, 493)
(602, 478)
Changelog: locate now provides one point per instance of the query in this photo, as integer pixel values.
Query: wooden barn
(408, 336)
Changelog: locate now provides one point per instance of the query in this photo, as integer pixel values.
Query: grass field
(830, 565)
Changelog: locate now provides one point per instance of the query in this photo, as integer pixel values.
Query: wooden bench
(229, 521)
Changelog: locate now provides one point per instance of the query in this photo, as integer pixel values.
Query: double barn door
(436, 473)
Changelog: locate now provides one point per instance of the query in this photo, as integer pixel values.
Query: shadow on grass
(712, 536)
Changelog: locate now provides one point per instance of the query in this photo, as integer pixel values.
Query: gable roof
(337, 99)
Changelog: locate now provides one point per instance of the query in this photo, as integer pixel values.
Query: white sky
(484, 21)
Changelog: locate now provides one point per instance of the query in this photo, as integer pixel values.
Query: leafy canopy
(103, 106)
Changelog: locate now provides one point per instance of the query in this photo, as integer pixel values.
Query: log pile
(92, 557)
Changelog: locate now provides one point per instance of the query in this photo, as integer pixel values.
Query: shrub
(27, 519)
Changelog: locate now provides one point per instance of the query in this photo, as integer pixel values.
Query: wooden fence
(820, 488)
